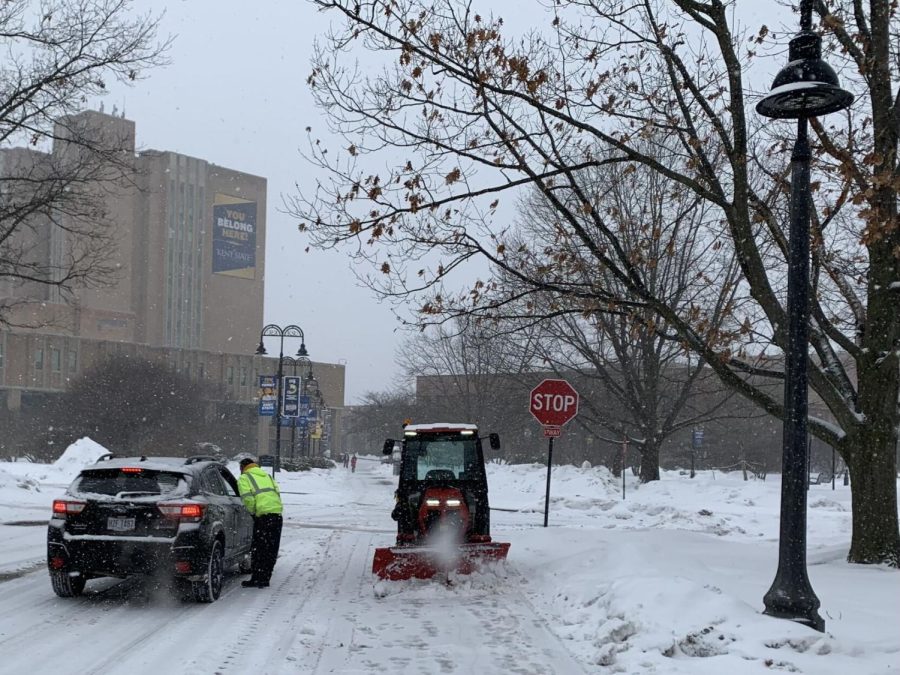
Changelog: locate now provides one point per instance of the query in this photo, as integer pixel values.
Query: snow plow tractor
(442, 512)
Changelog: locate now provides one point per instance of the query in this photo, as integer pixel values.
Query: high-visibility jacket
(259, 492)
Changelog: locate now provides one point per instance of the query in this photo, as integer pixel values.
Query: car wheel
(66, 586)
(209, 589)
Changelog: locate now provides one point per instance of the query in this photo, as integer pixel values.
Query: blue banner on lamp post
(267, 398)
(290, 396)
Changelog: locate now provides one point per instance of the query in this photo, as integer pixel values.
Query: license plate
(120, 524)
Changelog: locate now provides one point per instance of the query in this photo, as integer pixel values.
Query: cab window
(441, 458)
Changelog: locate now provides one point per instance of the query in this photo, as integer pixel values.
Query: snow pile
(82, 452)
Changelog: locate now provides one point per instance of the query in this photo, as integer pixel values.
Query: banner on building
(234, 237)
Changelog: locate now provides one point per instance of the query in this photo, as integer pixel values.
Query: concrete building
(188, 268)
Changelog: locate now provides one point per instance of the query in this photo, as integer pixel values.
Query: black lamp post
(806, 87)
(317, 404)
(291, 331)
(311, 387)
(295, 363)
(290, 361)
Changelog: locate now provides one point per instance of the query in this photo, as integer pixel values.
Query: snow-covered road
(324, 613)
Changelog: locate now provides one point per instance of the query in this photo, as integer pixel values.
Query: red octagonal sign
(553, 402)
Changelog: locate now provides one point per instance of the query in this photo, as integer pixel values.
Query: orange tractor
(442, 511)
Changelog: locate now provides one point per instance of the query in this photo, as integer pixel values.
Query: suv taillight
(63, 507)
(188, 513)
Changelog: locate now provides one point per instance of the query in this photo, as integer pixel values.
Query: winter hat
(246, 462)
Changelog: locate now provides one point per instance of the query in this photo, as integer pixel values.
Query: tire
(210, 589)
(66, 586)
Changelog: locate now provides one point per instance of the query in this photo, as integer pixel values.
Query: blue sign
(267, 399)
(286, 421)
(697, 439)
(290, 396)
(301, 423)
(234, 237)
(303, 403)
(311, 415)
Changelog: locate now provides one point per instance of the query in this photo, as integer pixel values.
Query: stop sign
(553, 402)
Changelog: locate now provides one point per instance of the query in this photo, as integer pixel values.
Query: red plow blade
(423, 562)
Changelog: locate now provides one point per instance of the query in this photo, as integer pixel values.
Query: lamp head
(261, 349)
(806, 86)
(302, 351)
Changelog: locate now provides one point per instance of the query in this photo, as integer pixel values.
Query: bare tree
(54, 229)
(645, 386)
(133, 406)
(464, 371)
(482, 114)
(379, 417)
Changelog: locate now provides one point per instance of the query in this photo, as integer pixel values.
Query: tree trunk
(649, 462)
(615, 463)
(876, 536)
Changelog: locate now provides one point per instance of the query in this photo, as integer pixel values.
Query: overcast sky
(236, 95)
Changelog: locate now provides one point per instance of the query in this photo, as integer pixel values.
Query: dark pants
(264, 551)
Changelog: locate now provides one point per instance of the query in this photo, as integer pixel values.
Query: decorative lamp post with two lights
(806, 87)
(273, 330)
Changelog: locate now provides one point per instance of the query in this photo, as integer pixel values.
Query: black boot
(250, 583)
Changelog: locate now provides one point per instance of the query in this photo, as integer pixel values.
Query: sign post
(553, 403)
(696, 444)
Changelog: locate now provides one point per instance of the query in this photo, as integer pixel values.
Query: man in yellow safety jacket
(260, 495)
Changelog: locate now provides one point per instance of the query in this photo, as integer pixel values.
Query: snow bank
(82, 452)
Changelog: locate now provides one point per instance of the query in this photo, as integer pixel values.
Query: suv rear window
(116, 482)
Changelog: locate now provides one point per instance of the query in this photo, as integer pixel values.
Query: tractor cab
(441, 501)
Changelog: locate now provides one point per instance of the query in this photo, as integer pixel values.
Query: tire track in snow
(335, 648)
(246, 642)
(483, 625)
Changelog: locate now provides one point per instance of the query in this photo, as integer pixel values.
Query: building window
(187, 370)
(243, 377)
(55, 360)
(229, 375)
(201, 371)
(73, 361)
(39, 359)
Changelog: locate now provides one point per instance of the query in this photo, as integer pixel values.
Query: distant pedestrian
(260, 495)
(353, 463)
(346, 459)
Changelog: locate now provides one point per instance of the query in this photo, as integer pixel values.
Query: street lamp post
(294, 363)
(312, 391)
(806, 87)
(291, 331)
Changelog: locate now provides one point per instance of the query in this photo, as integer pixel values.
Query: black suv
(178, 519)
